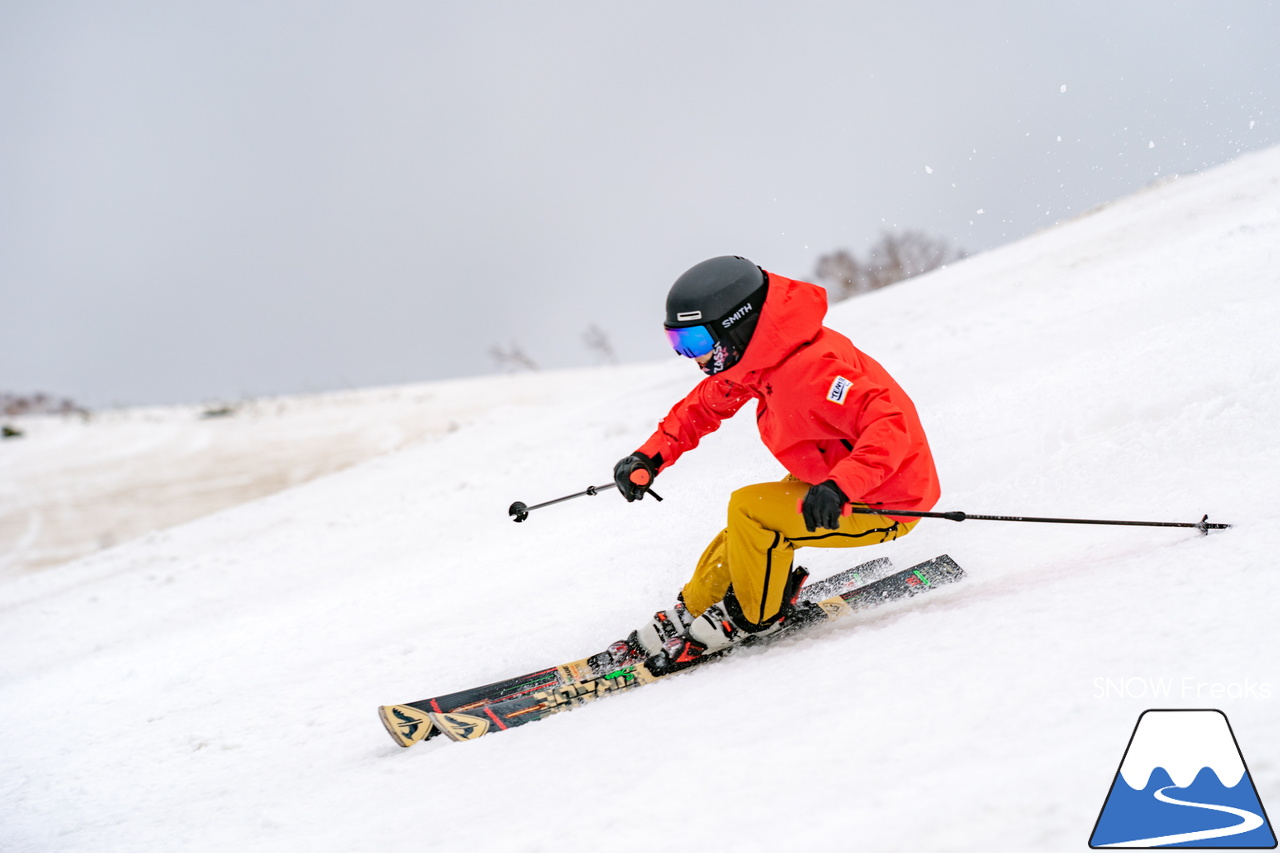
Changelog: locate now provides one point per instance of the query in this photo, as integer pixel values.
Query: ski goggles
(691, 341)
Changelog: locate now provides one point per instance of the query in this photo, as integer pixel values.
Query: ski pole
(1203, 525)
(519, 511)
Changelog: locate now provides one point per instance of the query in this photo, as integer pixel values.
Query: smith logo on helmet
(736, 316)
(839, 389)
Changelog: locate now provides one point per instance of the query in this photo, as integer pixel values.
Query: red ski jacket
(824, 409)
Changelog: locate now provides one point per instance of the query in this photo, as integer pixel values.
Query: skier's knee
(747, 498)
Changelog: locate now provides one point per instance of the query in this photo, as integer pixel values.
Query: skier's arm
(878, 431)
(698, 414)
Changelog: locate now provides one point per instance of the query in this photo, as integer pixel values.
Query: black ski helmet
(724, 295)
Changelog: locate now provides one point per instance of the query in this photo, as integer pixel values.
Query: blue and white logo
(1183, 783)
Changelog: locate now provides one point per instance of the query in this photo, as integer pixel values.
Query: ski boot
(645, 641)
(720, 627)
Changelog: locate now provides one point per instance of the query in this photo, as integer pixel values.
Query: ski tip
(405, 724)
(947, 569)
(459, 727)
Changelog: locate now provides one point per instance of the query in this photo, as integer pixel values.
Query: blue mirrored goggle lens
(691, 341)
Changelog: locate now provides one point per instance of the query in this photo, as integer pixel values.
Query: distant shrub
(597, 341)
(893, 258)
(511, 359)
(38, 404)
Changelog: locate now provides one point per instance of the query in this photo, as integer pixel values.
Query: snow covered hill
(75, 484)
(213, 686)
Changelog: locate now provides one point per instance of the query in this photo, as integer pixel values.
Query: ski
(518, 711)
(411, 722)
(849, 579)
(468, 714)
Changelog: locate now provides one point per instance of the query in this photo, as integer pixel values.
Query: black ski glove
(634, 475)
(823, 505)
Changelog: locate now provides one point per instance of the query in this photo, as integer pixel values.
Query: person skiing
(836, 420)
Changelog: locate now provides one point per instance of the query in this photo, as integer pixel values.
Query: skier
(834, 418)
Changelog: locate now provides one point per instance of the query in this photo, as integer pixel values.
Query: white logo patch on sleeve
(839, 390)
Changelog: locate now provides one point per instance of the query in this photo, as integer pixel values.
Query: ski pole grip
(641, 478)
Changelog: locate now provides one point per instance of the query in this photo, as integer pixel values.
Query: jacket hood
(791, 318)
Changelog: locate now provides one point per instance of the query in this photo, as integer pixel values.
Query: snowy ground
(73, 485)
(213, 686)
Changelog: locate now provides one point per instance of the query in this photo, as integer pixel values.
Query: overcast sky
(211, 200)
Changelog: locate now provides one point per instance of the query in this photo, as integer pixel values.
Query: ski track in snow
(212, 685)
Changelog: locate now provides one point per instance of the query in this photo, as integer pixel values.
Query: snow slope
(74, 485)
(213, 687)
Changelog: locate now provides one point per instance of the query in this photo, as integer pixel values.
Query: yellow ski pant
(754, 552)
